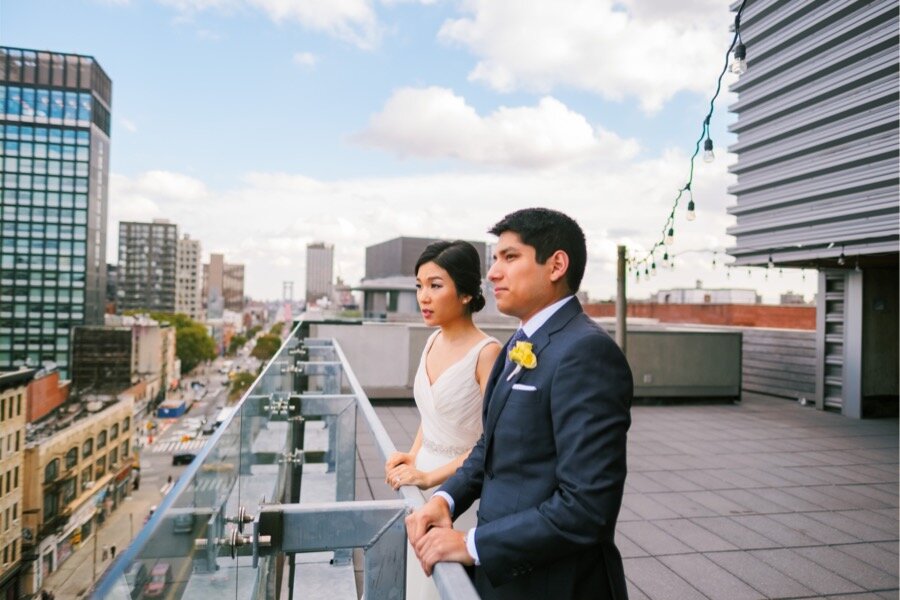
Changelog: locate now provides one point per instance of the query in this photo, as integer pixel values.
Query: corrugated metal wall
(817, 131)
(780, 362)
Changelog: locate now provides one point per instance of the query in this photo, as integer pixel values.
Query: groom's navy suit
(550, 467)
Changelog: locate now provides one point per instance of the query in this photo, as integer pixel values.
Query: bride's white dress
(451, 424)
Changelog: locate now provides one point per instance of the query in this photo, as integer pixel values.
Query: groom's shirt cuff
(449, 500)
(470, 546)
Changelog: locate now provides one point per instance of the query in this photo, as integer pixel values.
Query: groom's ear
(559, 265)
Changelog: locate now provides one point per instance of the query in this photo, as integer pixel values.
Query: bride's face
(437, 296)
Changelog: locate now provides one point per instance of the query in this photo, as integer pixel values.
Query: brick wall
(44, 395)
(741, 315)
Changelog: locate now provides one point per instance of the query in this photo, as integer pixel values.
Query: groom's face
(522, 286)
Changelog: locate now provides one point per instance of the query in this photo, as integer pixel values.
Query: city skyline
(261, 129)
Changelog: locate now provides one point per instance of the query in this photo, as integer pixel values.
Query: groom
(550, 466)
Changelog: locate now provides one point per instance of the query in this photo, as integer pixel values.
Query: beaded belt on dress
(445, 450)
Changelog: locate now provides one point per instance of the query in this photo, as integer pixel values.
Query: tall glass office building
(54, 136)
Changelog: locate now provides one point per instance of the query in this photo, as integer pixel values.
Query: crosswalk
(176, 445)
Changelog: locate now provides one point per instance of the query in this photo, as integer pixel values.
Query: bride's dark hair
(461, 261)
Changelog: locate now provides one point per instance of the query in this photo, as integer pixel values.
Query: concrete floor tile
(657, 581)
(812, 575)
(652, 539)
(849, 567)
(759, 575)
(709, 578)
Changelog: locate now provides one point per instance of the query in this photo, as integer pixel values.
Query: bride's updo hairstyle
(461, 261)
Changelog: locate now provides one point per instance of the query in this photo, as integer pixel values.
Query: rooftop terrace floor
(760, 499)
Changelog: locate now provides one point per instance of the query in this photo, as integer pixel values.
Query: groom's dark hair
(547, 231)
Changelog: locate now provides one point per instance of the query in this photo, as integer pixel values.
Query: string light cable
(738, 65)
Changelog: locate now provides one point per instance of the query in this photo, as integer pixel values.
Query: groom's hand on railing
(441, 544)
(434, 514)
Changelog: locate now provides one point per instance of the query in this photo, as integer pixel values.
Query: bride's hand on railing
(405, 474)
(395, 460)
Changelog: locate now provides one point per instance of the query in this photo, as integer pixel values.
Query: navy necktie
(518, 336)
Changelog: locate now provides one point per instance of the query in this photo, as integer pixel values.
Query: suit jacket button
(489, 473)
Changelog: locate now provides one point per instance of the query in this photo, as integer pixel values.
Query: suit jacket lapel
(499, 389)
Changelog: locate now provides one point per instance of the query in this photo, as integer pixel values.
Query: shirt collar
(542, 316)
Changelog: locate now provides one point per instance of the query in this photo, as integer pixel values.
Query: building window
(87, 448)
(68, 490)
(19, 405)
(113, 457)
(51, 506)
(101, 440)
(114, 431)
(16, 482)
(17, 440)
(126, 423)
(72, 457)
(124, 449)
(87, 477)
(51, 471)
(101, 467)
(3, 407)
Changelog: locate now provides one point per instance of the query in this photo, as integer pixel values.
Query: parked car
(136, 577)
(160, 578)
(183, 458)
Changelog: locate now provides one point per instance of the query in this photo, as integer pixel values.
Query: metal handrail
(451, 579)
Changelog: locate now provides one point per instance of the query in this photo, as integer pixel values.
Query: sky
(259, 126)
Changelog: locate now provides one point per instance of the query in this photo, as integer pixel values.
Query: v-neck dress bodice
(450, 406)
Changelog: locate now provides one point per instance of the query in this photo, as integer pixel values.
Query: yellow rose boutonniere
(523, 357)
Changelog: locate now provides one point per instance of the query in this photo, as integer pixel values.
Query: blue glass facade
(54, 156)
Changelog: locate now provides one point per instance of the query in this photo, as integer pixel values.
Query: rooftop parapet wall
(736, 315)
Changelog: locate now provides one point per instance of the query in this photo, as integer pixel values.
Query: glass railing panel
(269, 503)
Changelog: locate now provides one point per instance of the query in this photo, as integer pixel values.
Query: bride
(449, 384)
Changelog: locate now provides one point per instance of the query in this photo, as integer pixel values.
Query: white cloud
(353, 21)
(644, 49)
(128, 124)
(305, 59)
(268, 219)
(435, 123)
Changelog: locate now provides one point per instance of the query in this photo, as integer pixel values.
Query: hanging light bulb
(691, 214)
(771, 262)
(653, 269)
(666, 259)
(670, 236)
(856, 267)
(781, 272)
(714, 260)
(739, 59)
(841, 260)
(802, 274)
(708, 154)
(727, 273)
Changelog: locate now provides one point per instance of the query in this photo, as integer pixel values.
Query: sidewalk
(75, 576)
